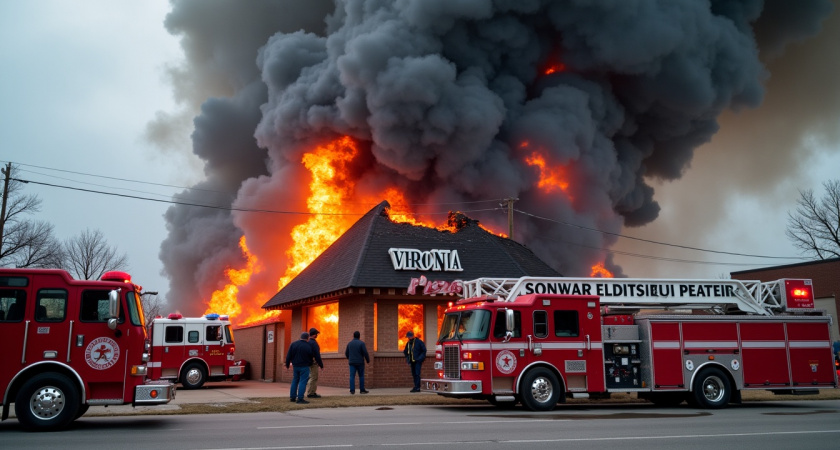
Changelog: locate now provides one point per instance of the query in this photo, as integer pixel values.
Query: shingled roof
(360, 258)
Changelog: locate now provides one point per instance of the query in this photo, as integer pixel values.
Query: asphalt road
(761, 426)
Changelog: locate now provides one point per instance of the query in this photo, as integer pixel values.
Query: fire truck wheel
(194, 376)
(48, 401)
(712, 389)
(540, 390)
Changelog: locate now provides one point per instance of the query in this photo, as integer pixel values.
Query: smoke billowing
(448, 102)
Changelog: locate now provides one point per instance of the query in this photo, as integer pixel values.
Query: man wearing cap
(300, 357)
(312, 386)
(415, 353)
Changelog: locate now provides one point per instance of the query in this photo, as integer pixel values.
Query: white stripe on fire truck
(544, 345)
(763, 344)
(809, 344)
(666, 344)
(153, 364)
(711, 344)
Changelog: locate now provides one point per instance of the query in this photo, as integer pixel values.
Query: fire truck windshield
(474, 324)
(135, 310)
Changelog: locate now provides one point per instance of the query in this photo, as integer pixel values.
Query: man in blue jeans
(300, 356)
(357, 354)
(415, 353)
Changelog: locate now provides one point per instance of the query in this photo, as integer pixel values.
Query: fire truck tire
(712, 389)
(83, 408)
(48, 401)
(540, 390)
(194, 376)
(502, 405)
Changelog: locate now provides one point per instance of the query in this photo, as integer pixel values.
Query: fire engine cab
(69, 344)
(193, 350)
(540, 340)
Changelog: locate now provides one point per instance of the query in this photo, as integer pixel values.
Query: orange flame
(223, 301)
(599, 271)
(553, 68)
(410, 318)
(551, 177)
(324, 318)
(330, 187)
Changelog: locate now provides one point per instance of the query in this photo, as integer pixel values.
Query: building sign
(435, 287)
(429, 260)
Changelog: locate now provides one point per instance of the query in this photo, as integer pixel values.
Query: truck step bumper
(154, 393)
(451, 387)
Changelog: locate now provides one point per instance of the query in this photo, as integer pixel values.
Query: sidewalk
(233, 392)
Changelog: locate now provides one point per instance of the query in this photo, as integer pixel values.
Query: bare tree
(815, 225)
(88, 256)
(24, 242)
(152, 305)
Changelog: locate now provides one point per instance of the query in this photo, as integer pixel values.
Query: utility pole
(7, 171)
(509, 202)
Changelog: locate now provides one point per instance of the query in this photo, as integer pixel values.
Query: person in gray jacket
(357, 355)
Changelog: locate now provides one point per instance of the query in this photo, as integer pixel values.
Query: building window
(410, 319)
(375, 329)
(325, 319)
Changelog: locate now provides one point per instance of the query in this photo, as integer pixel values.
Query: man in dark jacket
(357, 355)
(300, 357)
(312, 386)
(415, 353)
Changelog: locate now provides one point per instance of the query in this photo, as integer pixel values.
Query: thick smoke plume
(447, 100)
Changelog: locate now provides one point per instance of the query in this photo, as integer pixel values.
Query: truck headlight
(438, 365)
(472, 365)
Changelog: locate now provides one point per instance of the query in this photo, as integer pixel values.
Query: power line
(657, 258)
(654, 242)
(495, 200)
(230, 208)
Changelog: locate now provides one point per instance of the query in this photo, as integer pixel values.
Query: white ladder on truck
(715, 296)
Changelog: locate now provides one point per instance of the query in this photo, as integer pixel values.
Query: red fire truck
(69, 344)
(193, 350)
(540, 340)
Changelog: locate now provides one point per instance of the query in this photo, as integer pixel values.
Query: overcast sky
(82, 80)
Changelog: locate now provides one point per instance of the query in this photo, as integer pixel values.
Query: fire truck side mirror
(113, 308)
(510, 324)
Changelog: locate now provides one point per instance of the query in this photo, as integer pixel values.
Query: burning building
(382, 278)
(313, 112)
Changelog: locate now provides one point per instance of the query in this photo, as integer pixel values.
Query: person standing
(357, 355)
(312, 386)
(415, 353)
(300, 357)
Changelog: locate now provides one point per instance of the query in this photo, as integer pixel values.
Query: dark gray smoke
(443, 96)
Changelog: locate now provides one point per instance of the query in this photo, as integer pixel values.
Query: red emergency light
(174, 316)
(116, 275)
(798, 294)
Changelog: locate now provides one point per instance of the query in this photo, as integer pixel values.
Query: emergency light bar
(174, 316)
(116, 275)
(212, 316)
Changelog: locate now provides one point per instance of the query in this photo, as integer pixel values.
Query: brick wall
(263, 357)
(356, 313)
